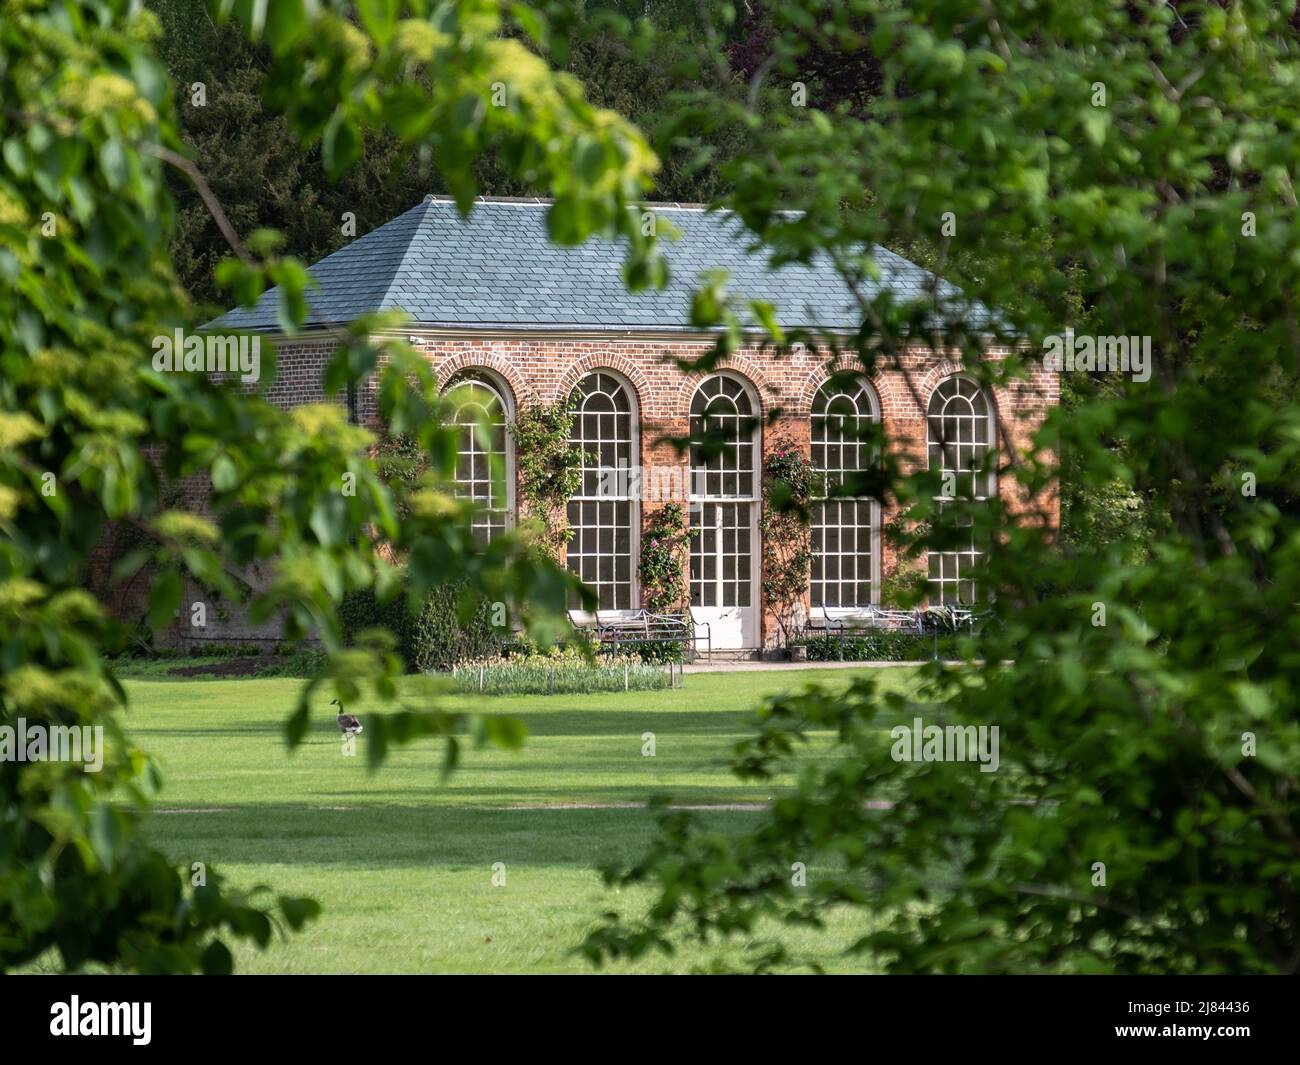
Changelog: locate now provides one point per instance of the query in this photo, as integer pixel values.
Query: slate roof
(497, 269)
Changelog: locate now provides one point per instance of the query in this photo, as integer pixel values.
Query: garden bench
(934, 620)
(613, 628)
(867, 617)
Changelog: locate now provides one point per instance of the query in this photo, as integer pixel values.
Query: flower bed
(557, 674)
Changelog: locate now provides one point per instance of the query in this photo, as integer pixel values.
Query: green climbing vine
(662, 567)
(789, 483)
(550, 471)
(401, 463)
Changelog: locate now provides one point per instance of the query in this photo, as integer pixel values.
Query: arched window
(602, 513)
(722, 410)
(959, 431)
(484, 466)
(845, 529)
(724, 492)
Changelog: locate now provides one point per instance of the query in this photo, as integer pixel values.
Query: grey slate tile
(497, 267)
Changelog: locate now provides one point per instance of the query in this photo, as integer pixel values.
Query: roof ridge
(401, 262)
(547, 201)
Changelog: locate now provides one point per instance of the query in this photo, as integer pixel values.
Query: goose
(348, 723)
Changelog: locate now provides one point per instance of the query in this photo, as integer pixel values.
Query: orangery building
(508, 319)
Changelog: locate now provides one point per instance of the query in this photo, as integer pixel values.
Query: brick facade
(544, 368)
(539, 368)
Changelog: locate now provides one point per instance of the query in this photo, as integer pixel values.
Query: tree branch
(210, 201)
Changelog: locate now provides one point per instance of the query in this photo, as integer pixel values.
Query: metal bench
(613, 628)
(935, 620)
(866, 617)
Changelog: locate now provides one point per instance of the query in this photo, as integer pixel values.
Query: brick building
(512, 320)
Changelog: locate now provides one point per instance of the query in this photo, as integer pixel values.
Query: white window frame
(985, 486)
(699, 495)
(626, 480)
(865, 458)
(489, 381)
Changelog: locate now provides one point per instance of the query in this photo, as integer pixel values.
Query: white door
(722, 574)
(724, 509)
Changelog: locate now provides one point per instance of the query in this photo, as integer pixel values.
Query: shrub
(441, 635)
(213, 649)
(583, 643)
(647, 651)
(362, 610)
(437, 638)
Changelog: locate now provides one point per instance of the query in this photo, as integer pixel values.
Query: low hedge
(877, 647)
(646, 651)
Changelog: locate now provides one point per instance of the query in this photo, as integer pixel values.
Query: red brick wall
(545, 369)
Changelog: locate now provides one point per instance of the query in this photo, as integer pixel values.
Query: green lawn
(403, 862)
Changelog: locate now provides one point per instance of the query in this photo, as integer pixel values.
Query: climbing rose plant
(662, 568)
(550, 470)
(789, 484)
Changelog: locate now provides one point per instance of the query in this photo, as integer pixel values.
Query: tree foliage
(90, 430)
(1144, 815)
(1126, 169)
